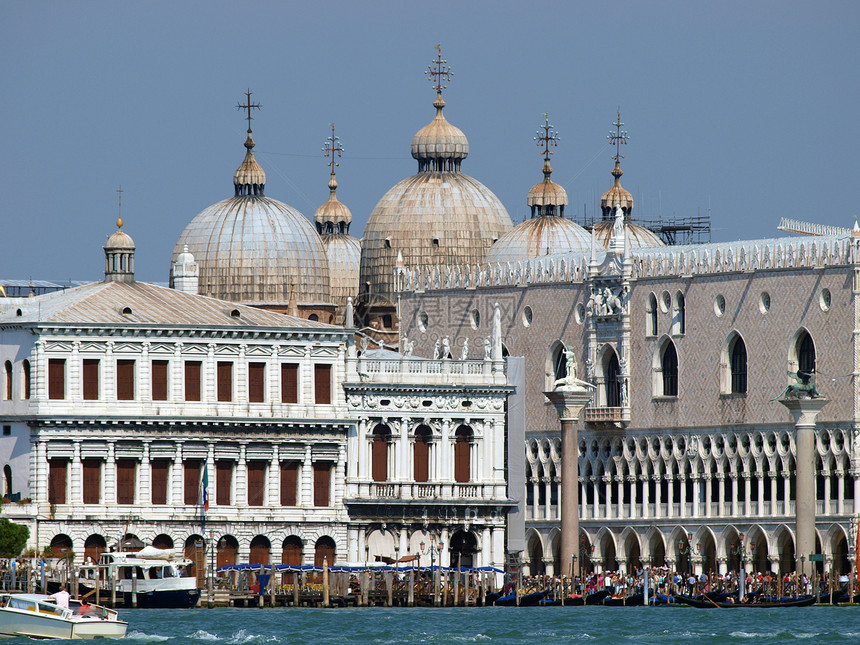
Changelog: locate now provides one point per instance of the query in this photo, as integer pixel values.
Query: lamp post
(686, 551)
(738, 550)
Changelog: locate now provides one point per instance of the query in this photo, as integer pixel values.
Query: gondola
(704, 603)
(528, 600)
(636, 600)
(577, 601)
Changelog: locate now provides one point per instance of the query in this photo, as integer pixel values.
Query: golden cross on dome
(331, 148)
(618, 138)
(248, 106)
(547, 137)
(439, 71)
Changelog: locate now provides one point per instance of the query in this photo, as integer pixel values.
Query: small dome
(638, 237)
(616, 195)
(333, 216)
(439, 139)
(120, 239)
(537, 237)
(547, 194)
(185, 257)
(249, 178)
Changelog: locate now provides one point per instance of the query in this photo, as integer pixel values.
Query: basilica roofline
(702, 259)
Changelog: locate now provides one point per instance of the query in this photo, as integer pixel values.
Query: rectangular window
(289, 383)
(159, 380)
(160, 472)
(193, 470)
(289, 482)
(57, 474)
(225, 381)
(256, 482)
(125, 380)
(56, 378)
(256, 382)
(126, 476)
(223, 482)
(322, 384)
(92, 480)
(8, 371)
(322, 477)
(192, 380)
(91, 379)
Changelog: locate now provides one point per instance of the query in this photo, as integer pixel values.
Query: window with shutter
(289, 482)
(8, 373)
(57, 378)
(289, 383)
(462, 455)
(192, 380)
(126, 475)
(256, 382)
(159, 380)
(57, 478)
(379, 454)
(322, 384)
(92, 471)
(25, 367)
(193, 470)
(421, 454)
(223, 482)
(91, 378)
(256, 482)
(322, 476)
(125, 380)
(160, 471)
(225, 381)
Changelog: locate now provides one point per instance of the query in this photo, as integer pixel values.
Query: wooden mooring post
(325, 583)
(410, 599)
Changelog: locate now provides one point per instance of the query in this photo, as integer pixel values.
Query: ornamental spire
(249, 178)
(333, 150)
(438, 72)
(547, 137)
(618, 138)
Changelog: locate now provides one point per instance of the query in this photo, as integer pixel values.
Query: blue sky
(744, 108)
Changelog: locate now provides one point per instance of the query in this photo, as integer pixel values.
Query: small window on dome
(314, 318)
(387, 242)
(236, 313)
(436, 241)
(18, 312)
(126, 311)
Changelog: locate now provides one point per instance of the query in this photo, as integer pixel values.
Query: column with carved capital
(804, 411)
(569, 401)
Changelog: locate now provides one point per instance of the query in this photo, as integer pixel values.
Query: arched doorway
(734, 543)
(586, 566)
(94, 546)
(226, 551)
(291, 551)
(324, 549)
(61, 546)
(260, 550)
(131, 543)
(785, 549)
(632, 551)
(195, 550)
(535, 552)
(841, 564)
(658, 550)
(708, 552)
(464, 546)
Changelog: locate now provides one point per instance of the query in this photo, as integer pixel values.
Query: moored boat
(38, 616)
(706, 603)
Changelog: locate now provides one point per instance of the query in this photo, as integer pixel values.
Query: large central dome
(255, 250)
(437, 216)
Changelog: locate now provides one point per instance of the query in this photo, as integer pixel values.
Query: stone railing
(424, 491)
(422, 371)
(747, 255)
(603, 415)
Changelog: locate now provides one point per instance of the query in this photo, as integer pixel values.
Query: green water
(494, 625)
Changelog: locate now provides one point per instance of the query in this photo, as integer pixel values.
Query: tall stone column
(804, 411)
(569, 401)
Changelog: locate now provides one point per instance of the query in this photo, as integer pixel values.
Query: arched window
(462, 454)
(7, 390)
(61, 546)
(421, 454)
(738, 365)
(805, 354)
(557, 364)
(611, 383)
(669, 368)
(25, 369)
(291, 551)
(652, 316)
(379, 453)
(226, 551)
(680, 313)
(94, 546)
(7, 480)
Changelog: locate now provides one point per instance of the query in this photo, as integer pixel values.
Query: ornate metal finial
(248, 106)
(332, 149)
(438, 71)
(547, 137)
(120, 191)
(618, 138)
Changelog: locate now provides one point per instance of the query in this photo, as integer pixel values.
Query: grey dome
(344, 259)
(537, 237)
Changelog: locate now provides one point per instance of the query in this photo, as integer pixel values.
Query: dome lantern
(119, 256)
(616, 194)
(249, 178)
(547, 198)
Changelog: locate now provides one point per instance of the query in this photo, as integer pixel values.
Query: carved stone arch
(552, 543)
(556, 365)
(733, 364)
(606, 548)
(656, 545)
(758, 536)
(783, 545)
(795, 350)
(631, 546)
(706, 542)
(665, 368)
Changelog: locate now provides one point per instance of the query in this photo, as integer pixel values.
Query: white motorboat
(155, 577)
(38, 616)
